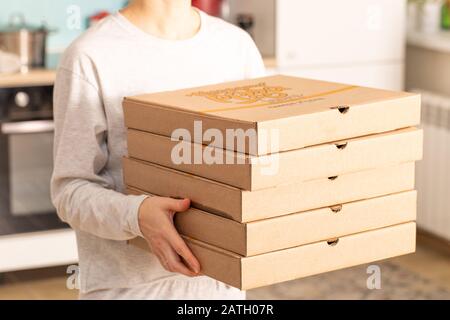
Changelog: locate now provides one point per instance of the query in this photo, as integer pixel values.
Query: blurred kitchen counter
(428, 62)
(44, 77)
(38, 77)
(439, 41)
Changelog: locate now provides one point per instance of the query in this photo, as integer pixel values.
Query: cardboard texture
(246, 206)
(302, 112)
(297, 229)
(254, 173)
(302, 261)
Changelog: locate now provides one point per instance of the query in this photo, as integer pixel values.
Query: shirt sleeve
(255, 67)
(81, 188)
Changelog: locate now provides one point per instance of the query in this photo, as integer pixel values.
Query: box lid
(305, 112)
(246, 206)
(263, 236)
(254, 173)
(268, 98)
(252, 272)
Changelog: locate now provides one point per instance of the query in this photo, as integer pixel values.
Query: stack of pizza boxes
(287, 177)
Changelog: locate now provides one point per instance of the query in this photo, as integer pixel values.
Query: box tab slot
(337, 208)
(342, 109)
(333, 242)
(341, 146)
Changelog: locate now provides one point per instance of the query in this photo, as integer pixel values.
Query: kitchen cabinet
(428, 62)
(360, 42)
(381, 75)
(31, 235)
(427, 72)
(38, 250)
(346, 32)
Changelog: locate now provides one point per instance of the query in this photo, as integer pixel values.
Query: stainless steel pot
(27, 42)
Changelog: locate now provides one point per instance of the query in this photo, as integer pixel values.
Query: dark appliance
(26, 147)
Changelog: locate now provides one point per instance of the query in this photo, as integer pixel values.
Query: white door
(344, 32)
(382, 76)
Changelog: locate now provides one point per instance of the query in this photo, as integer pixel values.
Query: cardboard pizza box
(263, 236)
(254, 173)
(276, 113)
(246, 206)
(302, 261)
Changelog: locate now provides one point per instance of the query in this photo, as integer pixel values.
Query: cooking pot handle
(17, 20)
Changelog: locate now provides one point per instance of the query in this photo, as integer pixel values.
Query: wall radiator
(433, 172)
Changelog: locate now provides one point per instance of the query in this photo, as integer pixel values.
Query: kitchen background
(392, 44)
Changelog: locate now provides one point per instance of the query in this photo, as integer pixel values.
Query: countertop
(43, 77)
(38, 77)
(439, 41)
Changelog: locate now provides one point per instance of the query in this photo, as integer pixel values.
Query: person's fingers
(174, 263)
(180, 247)
(177, 205)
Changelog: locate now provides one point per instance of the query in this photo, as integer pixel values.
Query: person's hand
(156, 222)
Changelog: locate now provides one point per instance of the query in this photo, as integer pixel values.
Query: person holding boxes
(150, 46)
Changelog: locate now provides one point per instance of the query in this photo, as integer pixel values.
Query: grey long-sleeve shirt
(110, 61)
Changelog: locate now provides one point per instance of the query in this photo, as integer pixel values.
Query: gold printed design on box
(259, 95)
(260, 92)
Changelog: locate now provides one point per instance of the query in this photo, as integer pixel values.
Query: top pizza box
(271, 114)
